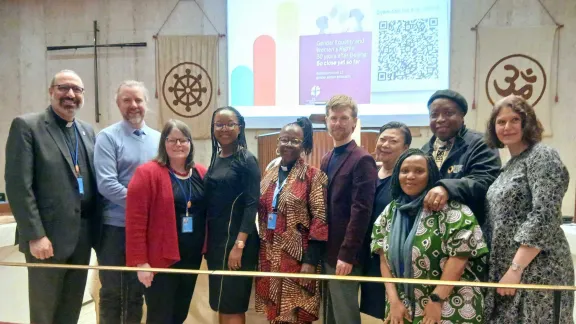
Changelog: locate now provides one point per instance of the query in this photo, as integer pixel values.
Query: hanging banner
(515, 61)
(187, 80)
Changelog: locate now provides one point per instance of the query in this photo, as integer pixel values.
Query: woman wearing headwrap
(420, 244)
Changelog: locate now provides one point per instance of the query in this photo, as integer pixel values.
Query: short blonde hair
(342, 101)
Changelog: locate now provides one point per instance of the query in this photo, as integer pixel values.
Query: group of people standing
(453, 213)
(448, 211)
(138, 198)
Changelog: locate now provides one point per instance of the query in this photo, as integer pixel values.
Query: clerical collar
(287, 167)
(61, 121)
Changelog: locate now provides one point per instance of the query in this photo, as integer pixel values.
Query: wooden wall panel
(322, 144)
(5, 209)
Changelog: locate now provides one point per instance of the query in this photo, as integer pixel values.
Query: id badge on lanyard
(272, 220)
(187, 224)
(80, 185)
(187, 220)
(272, 217)
(74, 156)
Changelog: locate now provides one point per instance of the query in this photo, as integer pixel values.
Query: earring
(277, 151)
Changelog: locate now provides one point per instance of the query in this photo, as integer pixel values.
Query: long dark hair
(308, 132)
(241, 145)
(433, 172)
(162, 157)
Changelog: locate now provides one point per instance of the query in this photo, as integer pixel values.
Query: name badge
(272, 221)
(80, 185)
(187, 224)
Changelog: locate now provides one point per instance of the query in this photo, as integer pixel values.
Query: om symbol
(519, 75)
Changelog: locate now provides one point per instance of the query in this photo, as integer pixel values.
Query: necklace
(182, 174)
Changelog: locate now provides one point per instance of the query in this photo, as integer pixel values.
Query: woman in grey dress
(524, 217)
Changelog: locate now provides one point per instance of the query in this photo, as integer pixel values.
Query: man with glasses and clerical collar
(120, 149)
(467, 165)
(51, 187)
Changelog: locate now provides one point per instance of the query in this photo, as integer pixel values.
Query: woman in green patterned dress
(416, 243)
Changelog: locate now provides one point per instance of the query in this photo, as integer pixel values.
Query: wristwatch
(435, 298)
(240, 244)
(516, 267)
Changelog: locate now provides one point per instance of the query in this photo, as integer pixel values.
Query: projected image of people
(340, 20)
(390, 56)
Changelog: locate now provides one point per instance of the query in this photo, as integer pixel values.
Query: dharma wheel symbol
(187, 89)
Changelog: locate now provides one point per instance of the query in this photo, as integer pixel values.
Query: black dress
(373, 294)
(168, 299)
(233, 190)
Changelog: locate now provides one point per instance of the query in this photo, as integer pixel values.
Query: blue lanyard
(277, 193)
(189, 196)
(74, 154)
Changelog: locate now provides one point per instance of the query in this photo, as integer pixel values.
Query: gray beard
(135, 120)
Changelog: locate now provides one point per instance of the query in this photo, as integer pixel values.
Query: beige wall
(27, 27)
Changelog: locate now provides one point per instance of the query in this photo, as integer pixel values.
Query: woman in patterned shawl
(420, 244)
(293, 229)
(523, 226)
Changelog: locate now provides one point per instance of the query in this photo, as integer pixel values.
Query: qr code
(408, 49)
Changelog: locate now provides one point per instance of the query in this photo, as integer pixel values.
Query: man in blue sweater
(120, 149)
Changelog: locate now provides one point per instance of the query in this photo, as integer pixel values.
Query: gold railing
(293, 275)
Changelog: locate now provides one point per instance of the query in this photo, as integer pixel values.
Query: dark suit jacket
(349, 203)
(41, 185)
(469, 170)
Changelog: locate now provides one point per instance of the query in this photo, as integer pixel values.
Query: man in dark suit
(51, 187)
(352, 178)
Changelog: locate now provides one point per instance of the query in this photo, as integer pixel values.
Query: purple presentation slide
(335, 63)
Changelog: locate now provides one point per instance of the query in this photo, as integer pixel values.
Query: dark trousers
(168, 299)
(121, 295)
(373, 294)
(341, 298)
(55, 295)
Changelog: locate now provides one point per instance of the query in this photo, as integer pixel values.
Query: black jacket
(470, 168)
(41, 184)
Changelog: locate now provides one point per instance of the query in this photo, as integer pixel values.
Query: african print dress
(300, 228)
(524, 208)
(454, 231)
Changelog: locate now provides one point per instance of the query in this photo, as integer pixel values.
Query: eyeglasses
(220, 126)
(64, 88)
(289, 141)
(173, 141)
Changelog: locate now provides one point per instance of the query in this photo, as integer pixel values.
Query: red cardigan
(151, 235)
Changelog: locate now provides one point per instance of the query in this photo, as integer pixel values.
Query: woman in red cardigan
(165, 224)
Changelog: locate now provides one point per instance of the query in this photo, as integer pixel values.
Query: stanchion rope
(292, 275)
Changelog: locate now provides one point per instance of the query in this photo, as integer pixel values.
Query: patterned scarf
(402, 237)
